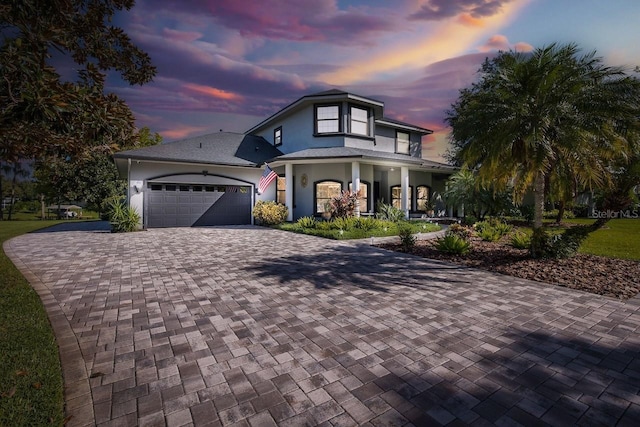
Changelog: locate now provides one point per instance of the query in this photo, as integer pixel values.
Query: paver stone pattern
(248, 326)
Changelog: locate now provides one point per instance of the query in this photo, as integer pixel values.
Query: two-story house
(319, 146)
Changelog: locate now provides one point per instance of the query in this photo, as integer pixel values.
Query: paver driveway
(251, 326)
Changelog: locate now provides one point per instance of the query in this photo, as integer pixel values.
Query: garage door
(186, 205)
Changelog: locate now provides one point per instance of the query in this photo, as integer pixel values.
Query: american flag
(267, 178)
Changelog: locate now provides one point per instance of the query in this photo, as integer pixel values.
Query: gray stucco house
(319, 145)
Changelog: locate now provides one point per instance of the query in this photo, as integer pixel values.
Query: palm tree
(546, 115)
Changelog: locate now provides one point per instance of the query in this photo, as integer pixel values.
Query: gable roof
(222, 148)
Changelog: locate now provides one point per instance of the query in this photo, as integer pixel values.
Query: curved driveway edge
(247, 326)
(77, 392)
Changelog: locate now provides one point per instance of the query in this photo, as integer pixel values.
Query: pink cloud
(523, 47)
(469, 21)
(500, 42)
(213, 92)
(180, 132)
(319, 20)
(497, 42)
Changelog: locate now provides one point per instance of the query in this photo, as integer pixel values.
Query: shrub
(307, 222)
(489, 234)
(270, 212)
(520, 240)
(469, 220)
(460, 231)
(564, 245)
(492, 230)
(343, 205)
(502, 228)
(342, 223)
(324, 225)
(453, 244)
(389, 213)
(366, 224)
(407, 239)
(122, 217)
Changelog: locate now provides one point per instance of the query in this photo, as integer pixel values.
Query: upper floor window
(359, 121)
(328, 119)
(277, 136)
(402, 143)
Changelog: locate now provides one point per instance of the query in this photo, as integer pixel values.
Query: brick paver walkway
(248, 326)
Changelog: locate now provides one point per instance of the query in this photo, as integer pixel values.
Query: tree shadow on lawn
(363, 267)
(530, 378)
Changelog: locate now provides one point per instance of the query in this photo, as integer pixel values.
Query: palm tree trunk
(561, 209)
(538, 200)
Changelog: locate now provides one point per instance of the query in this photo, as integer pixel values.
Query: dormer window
(328, 119)
(359, 121)
(277, 136)
(402, 143)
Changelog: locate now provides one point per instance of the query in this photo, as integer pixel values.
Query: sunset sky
(228, 64)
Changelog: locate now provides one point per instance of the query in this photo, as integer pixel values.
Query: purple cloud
(439, 9)
(320, 20)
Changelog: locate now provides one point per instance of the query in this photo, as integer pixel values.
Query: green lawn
(31, 388)
(620, 238)
(349, 229)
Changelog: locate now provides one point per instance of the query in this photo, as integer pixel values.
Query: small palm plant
(122, 217)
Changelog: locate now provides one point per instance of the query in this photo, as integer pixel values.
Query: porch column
(355, 185)
(288, 189)
(404, 190)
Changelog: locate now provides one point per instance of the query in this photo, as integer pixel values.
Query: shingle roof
(223, 148)
(350, 152)
(398, 123)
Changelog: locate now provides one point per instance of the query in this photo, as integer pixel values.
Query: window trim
(316, 120)
(411, 198)
(277, 139)
(398, 132)
(315, 192)
(351, 120)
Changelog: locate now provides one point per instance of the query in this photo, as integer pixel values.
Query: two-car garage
(197, 205)
(206, 180)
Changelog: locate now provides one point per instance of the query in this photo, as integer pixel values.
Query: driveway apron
(248, 326)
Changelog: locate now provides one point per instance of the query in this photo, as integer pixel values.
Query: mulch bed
(611, 277)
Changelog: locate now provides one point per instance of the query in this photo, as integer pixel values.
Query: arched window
(324, 192)
(423, 195)
(396, 196)
(364, 195)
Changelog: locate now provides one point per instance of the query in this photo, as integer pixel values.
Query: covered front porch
(306, 187)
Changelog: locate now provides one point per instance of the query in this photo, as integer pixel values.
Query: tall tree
(42, 114)
(90, 178)
(549, 114)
